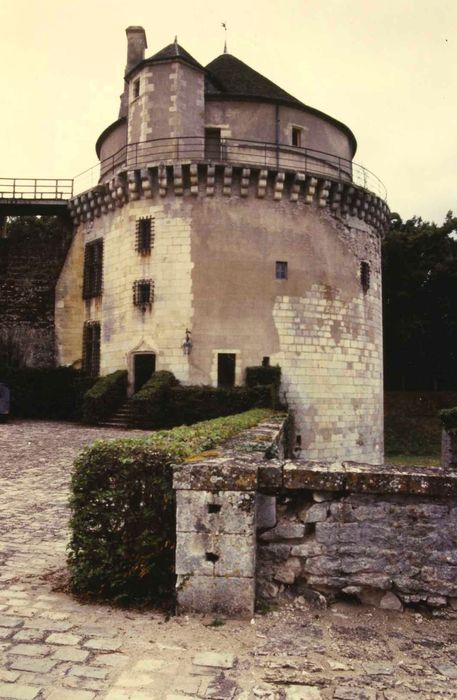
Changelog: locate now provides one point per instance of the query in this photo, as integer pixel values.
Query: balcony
(233, 152)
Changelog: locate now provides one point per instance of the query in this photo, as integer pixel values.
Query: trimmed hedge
(54, 393)
(123, 512)
(263, 375)
(105, 396)
(449, 418)
(149, 405)
(190, 404)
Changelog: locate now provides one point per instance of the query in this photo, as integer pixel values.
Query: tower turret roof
(230, 76)
(171, 52)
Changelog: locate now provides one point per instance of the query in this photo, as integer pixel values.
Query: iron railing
(46, 189)
(237, 152)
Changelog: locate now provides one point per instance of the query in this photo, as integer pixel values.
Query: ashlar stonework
(264, 243)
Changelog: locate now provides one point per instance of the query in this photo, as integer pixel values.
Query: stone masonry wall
(30, 262)
(384, 534)
(382, 549)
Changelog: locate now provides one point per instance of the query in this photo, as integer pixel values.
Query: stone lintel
(352, 477)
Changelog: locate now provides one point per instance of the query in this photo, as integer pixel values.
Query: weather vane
(224, 25)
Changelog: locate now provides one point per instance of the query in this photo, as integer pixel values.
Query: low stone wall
(382, 549)
(251, 524)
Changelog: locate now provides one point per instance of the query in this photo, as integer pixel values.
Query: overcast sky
(386, 68)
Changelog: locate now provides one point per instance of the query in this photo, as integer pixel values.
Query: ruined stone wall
(382, 549)
(30, 260)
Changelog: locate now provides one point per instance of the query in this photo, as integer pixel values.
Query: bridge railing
(46, 189)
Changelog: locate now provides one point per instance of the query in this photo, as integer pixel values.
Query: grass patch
(404, 460)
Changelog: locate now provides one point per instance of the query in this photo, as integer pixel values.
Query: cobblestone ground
(55, 648)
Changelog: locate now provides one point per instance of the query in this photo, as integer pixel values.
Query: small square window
(281, 270)
(136, 88)
(297, 134)
(143, 294)
(144, 235)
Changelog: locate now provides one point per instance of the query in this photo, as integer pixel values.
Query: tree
(420, 304)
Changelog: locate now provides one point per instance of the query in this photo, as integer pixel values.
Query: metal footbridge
(31, 196)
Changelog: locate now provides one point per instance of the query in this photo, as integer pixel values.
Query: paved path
(54, 648)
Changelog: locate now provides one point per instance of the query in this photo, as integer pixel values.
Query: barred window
(91, 348)
(145, 235)
(93, 269)
(281, 270)
(143, 294)
(365, 276)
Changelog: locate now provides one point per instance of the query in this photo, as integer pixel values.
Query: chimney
(136, 44)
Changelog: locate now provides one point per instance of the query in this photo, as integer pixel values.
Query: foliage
(449, 418)
(420, 313)
(104, 396)
(263, 375)
(149, 404)
(123, 516)
(54, 393)
(190, 404)
(411, 421)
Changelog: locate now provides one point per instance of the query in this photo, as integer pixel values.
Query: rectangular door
(226, 362)
(144, 365)
(213, 144)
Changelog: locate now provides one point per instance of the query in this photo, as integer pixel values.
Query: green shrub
(123, 514)
(191, 404)
(449, 418)
(149, 404)
(263, 375)
(52, 393)
(123, 521)
(104, 397)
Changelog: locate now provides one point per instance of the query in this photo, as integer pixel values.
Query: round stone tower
(230, 214)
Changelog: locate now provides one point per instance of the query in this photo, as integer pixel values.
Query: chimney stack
(136, 45)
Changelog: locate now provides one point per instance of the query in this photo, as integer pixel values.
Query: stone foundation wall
(362, 545)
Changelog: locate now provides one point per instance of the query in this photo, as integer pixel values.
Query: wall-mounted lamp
(187, 345)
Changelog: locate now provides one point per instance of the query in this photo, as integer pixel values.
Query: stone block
(227, 473)
(314, 476)
(317, 513)
(284, 530)
(215, 554)
(230, 512)
(265, 511)
(211, 595)
(270, 475)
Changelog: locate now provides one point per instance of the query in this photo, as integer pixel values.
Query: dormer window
(136, 88)
(297, 136)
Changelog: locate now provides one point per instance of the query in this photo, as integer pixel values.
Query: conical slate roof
(230, 76)
(172, 51)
